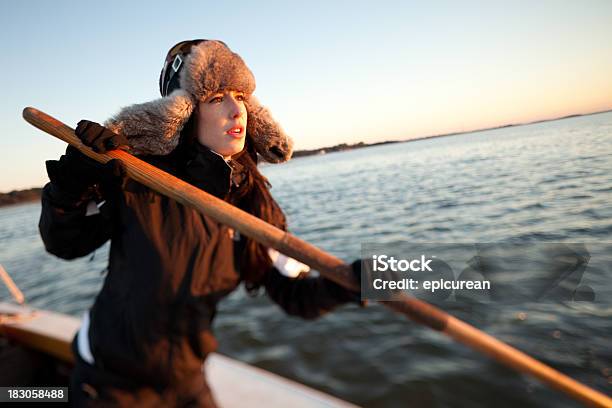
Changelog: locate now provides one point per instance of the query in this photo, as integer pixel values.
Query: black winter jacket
(168, 268)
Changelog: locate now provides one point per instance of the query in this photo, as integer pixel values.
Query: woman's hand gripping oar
(328, 265)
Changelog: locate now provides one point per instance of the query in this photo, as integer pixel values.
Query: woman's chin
(231, 151)
(235, 148)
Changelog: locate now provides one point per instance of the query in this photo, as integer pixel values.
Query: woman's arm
(75, 218)
(66, 228)
(303, 296)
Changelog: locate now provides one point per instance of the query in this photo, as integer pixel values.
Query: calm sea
(547, 182)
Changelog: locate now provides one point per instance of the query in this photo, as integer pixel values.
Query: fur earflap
(154, 127)
(270, 141)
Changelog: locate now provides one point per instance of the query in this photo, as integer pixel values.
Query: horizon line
(462, 132)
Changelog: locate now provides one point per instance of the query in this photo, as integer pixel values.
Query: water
(547, 182)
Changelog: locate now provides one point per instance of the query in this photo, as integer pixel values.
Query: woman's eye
(216, 99)
(240, 97)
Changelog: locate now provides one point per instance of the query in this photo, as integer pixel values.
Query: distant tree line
(21, 196)
(337, 148)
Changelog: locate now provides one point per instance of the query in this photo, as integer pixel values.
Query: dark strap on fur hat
(168, 77)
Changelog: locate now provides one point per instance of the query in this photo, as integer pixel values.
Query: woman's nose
(236, 109)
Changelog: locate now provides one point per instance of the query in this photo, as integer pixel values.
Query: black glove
(74, 173)
(356, 270)
(99, 138)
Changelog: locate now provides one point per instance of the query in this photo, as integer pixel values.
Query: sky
(330, 71)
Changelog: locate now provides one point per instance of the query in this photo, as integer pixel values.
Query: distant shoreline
(20, 196)
(344, 146)
(33, 194)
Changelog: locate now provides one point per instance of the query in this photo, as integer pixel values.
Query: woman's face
(221, 122)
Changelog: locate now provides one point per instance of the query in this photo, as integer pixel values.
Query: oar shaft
(478, 340)
(328, 265)
(11, 286)
(520, 361)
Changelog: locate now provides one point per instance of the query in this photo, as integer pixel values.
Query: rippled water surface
(547, 182)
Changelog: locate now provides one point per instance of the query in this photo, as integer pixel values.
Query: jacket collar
(209, 171)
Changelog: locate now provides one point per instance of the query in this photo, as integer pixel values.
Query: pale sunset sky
(330, 71)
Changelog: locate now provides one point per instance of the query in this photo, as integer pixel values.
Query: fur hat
(194, 70)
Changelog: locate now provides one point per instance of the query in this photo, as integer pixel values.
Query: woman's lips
(236, 132)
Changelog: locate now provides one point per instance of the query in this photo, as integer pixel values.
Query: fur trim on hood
(210, 66)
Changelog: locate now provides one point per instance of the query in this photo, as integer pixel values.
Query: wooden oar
(328, 265)
(19, 298)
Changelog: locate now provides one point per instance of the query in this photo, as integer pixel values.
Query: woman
(145, 339)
